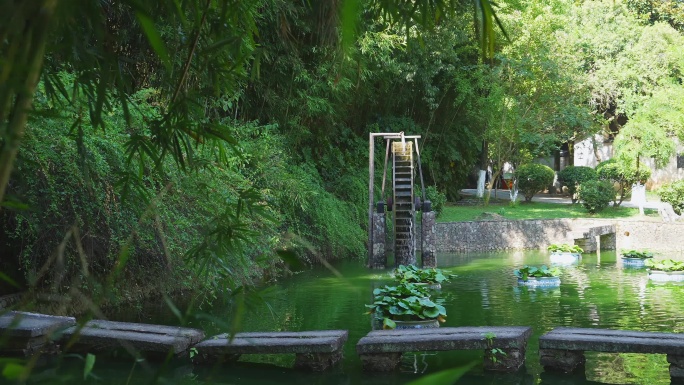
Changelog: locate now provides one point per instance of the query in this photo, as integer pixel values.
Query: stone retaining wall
(665, 238)
(538, 234)
(8, 300)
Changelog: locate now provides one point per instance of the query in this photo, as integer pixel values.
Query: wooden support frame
(371, 178)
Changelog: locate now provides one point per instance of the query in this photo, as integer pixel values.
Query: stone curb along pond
(562, 349)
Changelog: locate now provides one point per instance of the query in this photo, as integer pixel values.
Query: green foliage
(404, 302)
(536, 272)
(664, 265)
(91, 209)
(437, 198)
(413, 274)
(565, 248)
(596, 195)
(654, 11)
(574, 176)
(229, 216)
(673, 194)
(88, 366)
(631, 73)
(637, 254)
(623, 174)
(180, 145)
(444, 377)
(535, 92)
(495, 354)
(533, 178)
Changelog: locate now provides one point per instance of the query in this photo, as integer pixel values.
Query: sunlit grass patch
(534, 210)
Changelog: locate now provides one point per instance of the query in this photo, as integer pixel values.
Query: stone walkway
(549, 198)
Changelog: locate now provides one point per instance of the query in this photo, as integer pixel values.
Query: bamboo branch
(39, 24)
(188, 61)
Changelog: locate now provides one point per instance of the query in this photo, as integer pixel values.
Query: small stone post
(558, 360)
(429, 258)
(676, 368)
(378, 251)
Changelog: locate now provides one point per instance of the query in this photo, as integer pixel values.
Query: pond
(596, 292)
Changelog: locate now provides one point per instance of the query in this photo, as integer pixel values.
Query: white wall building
(587, 151)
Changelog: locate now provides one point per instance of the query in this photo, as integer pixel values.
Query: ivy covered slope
(249, 140)
(94, 215)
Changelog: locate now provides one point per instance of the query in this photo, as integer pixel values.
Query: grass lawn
(535, 210)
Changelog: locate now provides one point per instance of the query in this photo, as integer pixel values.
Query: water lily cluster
(526, 272)
(637, 254)
(564, 248)
(414, 274)
(405, 302)
(664, 265)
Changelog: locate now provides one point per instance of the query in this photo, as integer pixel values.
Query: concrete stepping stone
(504, 346)
(314, 350)
(23, 333)
(154, 341)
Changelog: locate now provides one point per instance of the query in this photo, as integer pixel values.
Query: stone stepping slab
(443, 338)
(136, 338)
(314, 350)
(606, 340)
(381, 350)
(23, 333)
(562, 349)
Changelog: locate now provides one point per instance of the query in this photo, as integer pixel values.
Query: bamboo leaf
(445, 377)
(12, 371)
(89, 364)
(350, 12)
(154, 38)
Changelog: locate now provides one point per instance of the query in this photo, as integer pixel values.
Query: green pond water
(596, 292)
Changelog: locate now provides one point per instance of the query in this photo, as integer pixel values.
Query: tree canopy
(199, 127)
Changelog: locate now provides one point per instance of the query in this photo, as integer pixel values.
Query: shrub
(622, 174)
(564, 248)
(673, 194)
(533, 178)
(596, 195)
(573, 176)
(437, 198)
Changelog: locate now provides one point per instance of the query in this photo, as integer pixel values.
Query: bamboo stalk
(39, 24)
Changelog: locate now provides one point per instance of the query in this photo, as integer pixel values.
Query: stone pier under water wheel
(401, 205)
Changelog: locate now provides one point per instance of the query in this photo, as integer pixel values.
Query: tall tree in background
(536, 100)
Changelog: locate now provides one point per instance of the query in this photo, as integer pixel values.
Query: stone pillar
(608, 241)
(378, 253)
(587, 244)
(566, 361)
(676, 368)
(504, 360)
(380, 362)
(317, 362)
(429, 259)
